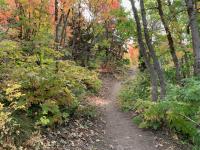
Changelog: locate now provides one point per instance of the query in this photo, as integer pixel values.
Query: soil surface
(121, 133)
(111, 130)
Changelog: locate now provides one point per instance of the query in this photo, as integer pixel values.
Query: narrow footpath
(120, 131)
(111, 129)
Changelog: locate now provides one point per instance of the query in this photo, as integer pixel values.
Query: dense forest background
(52, 53)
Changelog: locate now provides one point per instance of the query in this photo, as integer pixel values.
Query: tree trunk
(57, 36)
(63, 33)
(153, 76)
(152, 52)
(195, 34)
(170, 42)
(56, 11)
(21, 15)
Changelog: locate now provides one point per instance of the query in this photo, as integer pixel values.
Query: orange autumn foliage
(133, 53)
(7, 13)
(103, 6)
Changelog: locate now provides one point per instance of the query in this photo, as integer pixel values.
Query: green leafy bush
(190, 91)
(51, 91)
(174, 115)
(133, 89)
(12, 132)
(179, 112)
(36, 90)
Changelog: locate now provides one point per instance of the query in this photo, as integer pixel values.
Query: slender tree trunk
(181, 39)
(153, 76)
(21, 15)
(56, 11)
(195, 34)
(187, 64)
(63, 33)
(170, 41)
(152, 52)
(21, 20)
(58, 25)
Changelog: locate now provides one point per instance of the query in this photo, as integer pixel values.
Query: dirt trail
(120, 132)
(112, 129)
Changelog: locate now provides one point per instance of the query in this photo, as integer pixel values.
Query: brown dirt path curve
(120, 131)
(111, 129)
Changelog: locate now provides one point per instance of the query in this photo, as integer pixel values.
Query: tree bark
(57, 34)
(63, 33)
(170, 41)
(195, 34)
(56, 11)
(21, 15)
(153, 76)
(152, 52)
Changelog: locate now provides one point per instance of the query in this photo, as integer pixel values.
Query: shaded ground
(113, 130)
(82, 134)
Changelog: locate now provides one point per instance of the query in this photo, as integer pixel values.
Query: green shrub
(134, 89)
(179, 112)
(188, 91)
(14, 131)
(50, 93)
(175, 115)
(38, 90)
